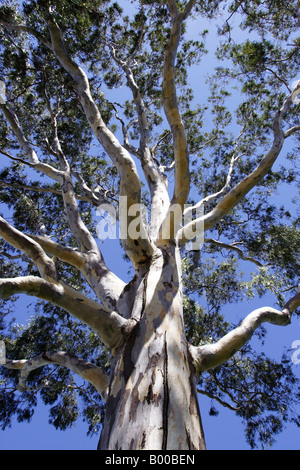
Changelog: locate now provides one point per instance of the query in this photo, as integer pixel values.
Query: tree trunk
(152, 402)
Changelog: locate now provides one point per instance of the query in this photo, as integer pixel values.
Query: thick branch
(182, 179)
(84, 369)
(170, 104)
(109, 325)
(130, 185)
(211, 355)
(64, 253)
(107, 286)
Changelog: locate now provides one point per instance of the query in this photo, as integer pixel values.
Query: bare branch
(233, 197)
(291, 131)
(109, 325)
(130, 185)
(211, 355)
(182, 180)
(106, 285)
(84, 369)
(228, 246)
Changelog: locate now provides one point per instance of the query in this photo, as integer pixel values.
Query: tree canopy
(236, 72)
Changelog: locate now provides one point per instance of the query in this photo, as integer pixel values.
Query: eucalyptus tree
(98, 113)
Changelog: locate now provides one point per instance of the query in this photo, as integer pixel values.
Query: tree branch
(235, 157)
(182, 179)
(218, 399)
(31, 248)
(85, 240)
(89, 195)
(130, 185)
(107, 286)
(291, 131)
(64, 253)
(171, 109)
(155, 180)
(26, 29)
(82, 235)
(138, 250)
(84, 369)
(211, 355)
(109, 325)
(228, 246)
(233, 197)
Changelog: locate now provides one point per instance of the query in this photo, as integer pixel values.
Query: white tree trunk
(152, 400)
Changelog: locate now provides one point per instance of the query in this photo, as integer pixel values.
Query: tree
(205, 172)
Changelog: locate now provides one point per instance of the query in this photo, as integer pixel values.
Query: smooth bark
(211, 355)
